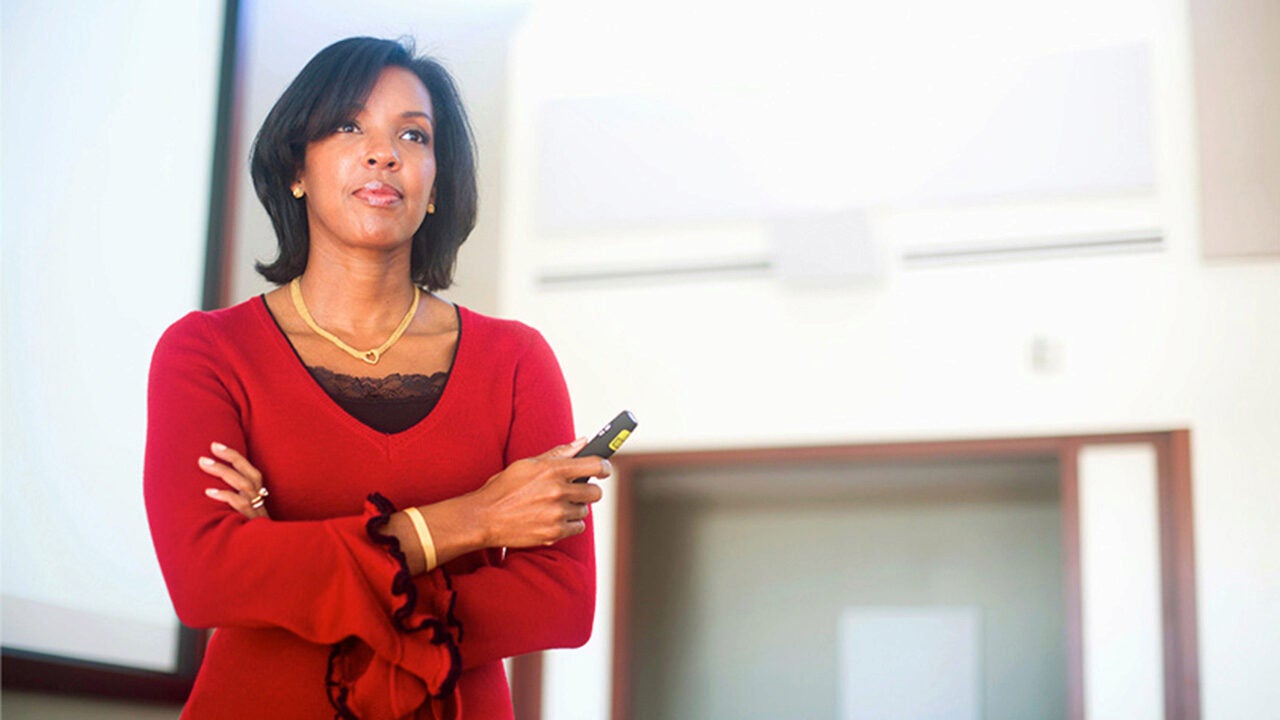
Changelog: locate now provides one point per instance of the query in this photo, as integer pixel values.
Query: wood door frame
(1176, 541)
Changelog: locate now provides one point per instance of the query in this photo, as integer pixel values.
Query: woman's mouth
(379, 194)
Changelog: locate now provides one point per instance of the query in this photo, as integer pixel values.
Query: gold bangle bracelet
(424, 535)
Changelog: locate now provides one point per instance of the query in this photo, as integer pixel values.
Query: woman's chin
(380, 238)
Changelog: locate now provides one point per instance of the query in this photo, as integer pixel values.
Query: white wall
(1147, 342)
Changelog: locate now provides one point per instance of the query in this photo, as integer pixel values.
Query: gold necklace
(369, 356)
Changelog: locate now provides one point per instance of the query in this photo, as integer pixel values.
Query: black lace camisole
(388, 404)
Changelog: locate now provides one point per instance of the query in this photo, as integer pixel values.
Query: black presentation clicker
(610, 438)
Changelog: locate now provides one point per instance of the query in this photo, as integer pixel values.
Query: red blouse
(316, 615)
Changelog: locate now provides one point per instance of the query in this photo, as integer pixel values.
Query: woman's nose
(381, 154)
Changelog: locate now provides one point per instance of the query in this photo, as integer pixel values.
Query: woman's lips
(378, 194)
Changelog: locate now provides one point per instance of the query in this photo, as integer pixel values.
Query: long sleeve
(537, 598)
(323, 580)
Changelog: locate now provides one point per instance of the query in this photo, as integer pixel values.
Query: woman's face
(368, 184)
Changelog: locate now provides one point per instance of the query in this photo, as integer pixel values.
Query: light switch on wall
(1047, 354)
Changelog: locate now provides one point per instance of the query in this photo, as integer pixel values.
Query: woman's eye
(417, 136)
(346, 127)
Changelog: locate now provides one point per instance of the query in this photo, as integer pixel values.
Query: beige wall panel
(1236, 56)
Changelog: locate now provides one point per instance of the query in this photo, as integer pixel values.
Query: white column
(1120, 583)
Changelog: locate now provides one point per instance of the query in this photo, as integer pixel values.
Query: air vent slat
(1027, 249)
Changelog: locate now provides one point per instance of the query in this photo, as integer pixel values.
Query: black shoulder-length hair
(329, 92)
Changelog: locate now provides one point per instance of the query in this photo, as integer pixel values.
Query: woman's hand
(535, 501)
(247, 495)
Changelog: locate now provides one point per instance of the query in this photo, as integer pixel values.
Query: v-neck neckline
(442, 405)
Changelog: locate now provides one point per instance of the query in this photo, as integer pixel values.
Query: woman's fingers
(228, 475)
(237, 461)
(560, 460)
(583, 493)
(574, 527)
(606, 469)
(589, 466)
(535, 501)
(237, 501)
(567, 450)
(586, 467)
(248, 495)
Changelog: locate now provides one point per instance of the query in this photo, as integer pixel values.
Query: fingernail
(218, 447)
(211, 492)
(207, 462)
(606, 467)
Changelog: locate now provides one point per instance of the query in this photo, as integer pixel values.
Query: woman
(347, 477)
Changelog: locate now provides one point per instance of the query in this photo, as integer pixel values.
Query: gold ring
(258, 503)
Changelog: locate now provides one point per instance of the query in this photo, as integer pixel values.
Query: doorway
(995, 482)
(767, 591)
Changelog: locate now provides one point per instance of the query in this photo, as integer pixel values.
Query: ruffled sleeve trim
(336, 684)
(357, 679)
(409, 617)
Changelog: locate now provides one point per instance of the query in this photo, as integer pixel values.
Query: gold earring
(298, 192)
(431, 208)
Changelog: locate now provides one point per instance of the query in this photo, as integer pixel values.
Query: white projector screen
(109, 114)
